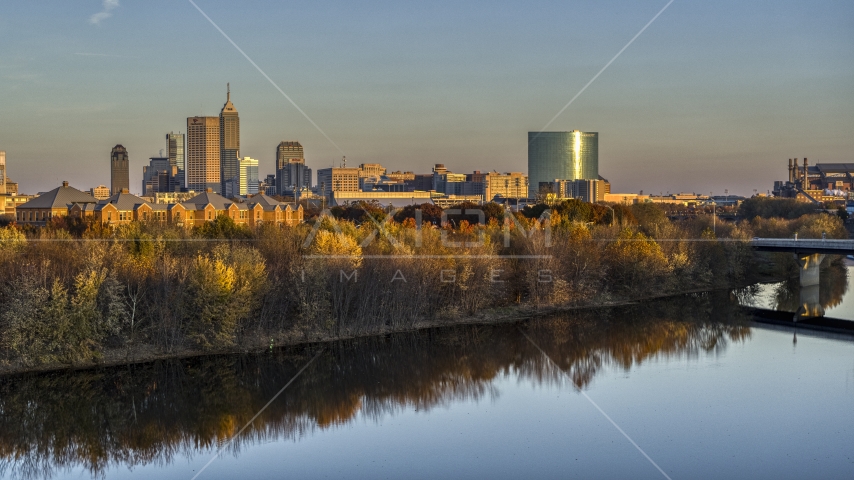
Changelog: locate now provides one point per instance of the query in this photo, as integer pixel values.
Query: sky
(713, 96)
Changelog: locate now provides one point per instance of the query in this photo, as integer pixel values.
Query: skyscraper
(203, 166)
(248, 176)
(562, 156)
(290, 167)
(119, 170)
(229, 147)
(3, 174)
(159, 176)
(175, 147)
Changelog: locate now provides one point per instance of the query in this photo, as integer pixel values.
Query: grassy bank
(76, 295)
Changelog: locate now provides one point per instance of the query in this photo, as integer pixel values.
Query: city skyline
(702, 101)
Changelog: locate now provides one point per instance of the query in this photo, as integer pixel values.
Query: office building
(160, 175)
(203, 168)
(586, 190)
(229, 148)
(507, 185)
(268, 186)
(420, 182)
(119, 169)
(248, 176)
(11, 187)
(401, 176)
(291, 171)
(563, 155)
(175, 149)
(447, 182)
(293, 174)
(2, 172)
(333, 179)
(100, 192)
(370, 174)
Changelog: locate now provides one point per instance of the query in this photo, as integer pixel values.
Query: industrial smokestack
(791, 172)
(806, 185)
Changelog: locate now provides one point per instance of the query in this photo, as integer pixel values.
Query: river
(681, 388)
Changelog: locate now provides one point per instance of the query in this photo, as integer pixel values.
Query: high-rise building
(268, 186)
(562, 155)
(291, 171)
(159, 176)
(248, 176)
(119, 170)
(2, 172)
(229, 148)
(175, 147)
(203, 167)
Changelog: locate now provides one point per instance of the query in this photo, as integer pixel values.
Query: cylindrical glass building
(562, 156)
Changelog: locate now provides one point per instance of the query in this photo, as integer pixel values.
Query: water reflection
(790, 296)
(153, 413)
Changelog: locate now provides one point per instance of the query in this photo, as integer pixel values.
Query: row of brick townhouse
(125, 208)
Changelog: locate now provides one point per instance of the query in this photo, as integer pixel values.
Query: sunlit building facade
(331, 180)
(562, 155)
(229, 148)
(248, 176)
(203, 169)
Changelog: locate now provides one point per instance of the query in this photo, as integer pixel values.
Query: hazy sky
(714, 95)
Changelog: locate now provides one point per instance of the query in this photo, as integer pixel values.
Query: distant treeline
(75, 292)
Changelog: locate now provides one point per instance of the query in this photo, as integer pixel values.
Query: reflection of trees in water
(149, 413)
(833, 284)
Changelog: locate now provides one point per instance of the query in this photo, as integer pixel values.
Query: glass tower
(248, 176)
(175, 147)
(562, 156)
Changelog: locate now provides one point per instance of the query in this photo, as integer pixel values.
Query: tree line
(74, 293)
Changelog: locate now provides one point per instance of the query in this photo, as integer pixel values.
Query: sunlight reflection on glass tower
(562, 155)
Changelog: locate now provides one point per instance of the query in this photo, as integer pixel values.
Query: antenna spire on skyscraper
(228, 91)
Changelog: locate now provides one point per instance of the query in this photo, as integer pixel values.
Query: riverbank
(260, 343)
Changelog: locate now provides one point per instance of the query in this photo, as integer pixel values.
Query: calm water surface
(833, 295)
(700, 389)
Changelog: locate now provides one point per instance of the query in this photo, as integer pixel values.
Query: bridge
(809, 253)
(804, 246)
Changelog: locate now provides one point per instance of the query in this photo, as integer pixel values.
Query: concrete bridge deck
(804, 246)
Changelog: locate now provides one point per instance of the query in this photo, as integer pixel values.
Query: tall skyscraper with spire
(119, 170)
(229, 147)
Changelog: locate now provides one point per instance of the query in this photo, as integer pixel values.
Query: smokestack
(791, 172)
(806, 176)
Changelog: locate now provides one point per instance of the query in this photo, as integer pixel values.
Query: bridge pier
(810, 304)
